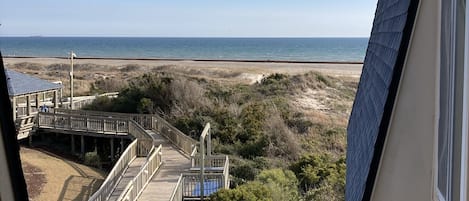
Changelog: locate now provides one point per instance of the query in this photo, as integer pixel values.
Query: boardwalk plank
(129, 174)
(163, 183)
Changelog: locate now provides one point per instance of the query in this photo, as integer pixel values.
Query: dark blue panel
(375, 91)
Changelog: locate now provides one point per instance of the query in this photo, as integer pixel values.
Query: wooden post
(86, 123)
(37, 102)
(82, 146)
(73, 143)
(112, 149)
(30, 140)
(104, 125)
(122, 145)
(28, 105)
(13, 104)
(209, 144)
(95, 145)
(56, 103)
(71, 80)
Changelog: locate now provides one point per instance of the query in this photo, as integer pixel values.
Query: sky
(187, 18)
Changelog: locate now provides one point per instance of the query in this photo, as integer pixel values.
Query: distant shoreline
(203, 60)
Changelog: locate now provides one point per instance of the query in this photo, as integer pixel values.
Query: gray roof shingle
(375, 96)
(19, 83)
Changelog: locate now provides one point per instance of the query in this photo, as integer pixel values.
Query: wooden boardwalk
(152, 175)
(163, 183)
(129, 174)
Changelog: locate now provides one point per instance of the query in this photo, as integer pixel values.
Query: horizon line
(140, 36)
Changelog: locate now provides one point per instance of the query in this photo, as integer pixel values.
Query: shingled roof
(374, 101)
(19, 84)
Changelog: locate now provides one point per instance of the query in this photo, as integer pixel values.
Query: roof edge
(390, 101)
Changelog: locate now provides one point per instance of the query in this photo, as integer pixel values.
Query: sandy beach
(87, 71)
(339, 69)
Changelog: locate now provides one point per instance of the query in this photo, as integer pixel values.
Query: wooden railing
(147, 121)
(136, 125)
(83, 101)
(104, 125)
(177, 192)
(115, 175)
(208, 173)
(188, 186)
(23, 111)
(24, 125)
(142, 146)
(190, 183)
(176, 137)
(136, 186)
(213, 161)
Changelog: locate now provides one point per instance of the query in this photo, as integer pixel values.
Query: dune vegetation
(285, 135)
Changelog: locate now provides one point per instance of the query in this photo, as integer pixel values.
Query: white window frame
(465, 117)
(463, 174)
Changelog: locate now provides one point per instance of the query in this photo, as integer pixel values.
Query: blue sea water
(290, 49)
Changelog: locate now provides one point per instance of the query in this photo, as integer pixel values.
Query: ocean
(285, 49)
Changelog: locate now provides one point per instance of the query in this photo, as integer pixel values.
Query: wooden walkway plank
(163, 183)
(129, 174)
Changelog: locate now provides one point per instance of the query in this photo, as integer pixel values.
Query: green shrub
(320, 175)
(103, 103)
(92, 159)
(282, 184)
(251, 191)
(323, 79)
(272, 185)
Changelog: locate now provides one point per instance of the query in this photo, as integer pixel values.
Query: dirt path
(51, 178)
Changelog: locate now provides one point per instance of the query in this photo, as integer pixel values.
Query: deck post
(72, 143)
(30, 139)
(95, 145)
(82, 145)
(13, 104)
(209, 144)
(112, 149)
(28, 105)
(122, 145)
(37, 101)
(56, 103)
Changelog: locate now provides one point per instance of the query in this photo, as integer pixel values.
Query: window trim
(453, 113)
(465, 118)
(447, 110)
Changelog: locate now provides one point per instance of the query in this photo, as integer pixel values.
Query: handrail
(138, 131)
(174, 135)
(177, 192)
(105, 125)
(135, 187)
(85, 100)
(147, 121)
(115, 175)
(136, 126)
(143, 119)
(142, 146)
(190, 185)
(213, 161)
(206, 169)
(109, 94)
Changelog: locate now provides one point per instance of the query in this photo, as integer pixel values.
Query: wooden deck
(161, 151)
(129, 174)
(163, 183)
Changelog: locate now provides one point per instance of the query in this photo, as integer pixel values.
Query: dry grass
(64, 179)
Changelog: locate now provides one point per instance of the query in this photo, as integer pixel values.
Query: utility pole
(72, 55)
